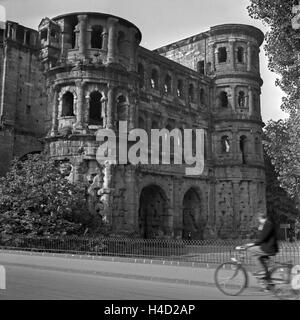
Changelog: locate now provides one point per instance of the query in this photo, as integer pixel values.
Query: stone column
(249, 57)
(105, 39)
(235, 144)
(132, 49)
(110, 108)
(82, 34)
(54, 112)
(132, 111)
(233, 90)
(232, 55)
(236, 202)
(24, 38)
(250, 101)
(111, 47)
(215, 58)
(14, 32)
(8, 29)
(80, 104)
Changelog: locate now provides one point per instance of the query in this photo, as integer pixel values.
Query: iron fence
(197, 251)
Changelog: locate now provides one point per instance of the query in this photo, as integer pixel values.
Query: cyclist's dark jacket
(268, 238)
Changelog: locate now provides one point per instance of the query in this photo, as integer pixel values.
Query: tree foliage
(282, 45)
(280, 206)
(36, 199)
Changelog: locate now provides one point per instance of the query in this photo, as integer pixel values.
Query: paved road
(36, 284)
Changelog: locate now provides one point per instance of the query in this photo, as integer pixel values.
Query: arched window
(191, 93)
(240, 55)
(222, 54)
(96, 37)
(154, 125)
(241, 99)
(141, 72)
(200, 67)
(255, 102)
(224, 99)
(243, 148)
(20, 34)
(154, 79)
(168, 84)
(121, 42)
(225, 146)
(122, 106)
(202, 96)
(73, 27)
(28, 37)
(44, 35)
(180, 88)
(96, 117)
(53, 35)
(142, 124)
(67, 105)
(254, 58)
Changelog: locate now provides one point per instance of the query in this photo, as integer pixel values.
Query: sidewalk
(164, 271)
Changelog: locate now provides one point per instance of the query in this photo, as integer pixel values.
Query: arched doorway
(153, 213)
(192, 227)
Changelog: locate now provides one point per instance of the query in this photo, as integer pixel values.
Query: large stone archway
(192, 224)
(153, 213)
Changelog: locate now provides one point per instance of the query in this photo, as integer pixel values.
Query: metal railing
(198, 251)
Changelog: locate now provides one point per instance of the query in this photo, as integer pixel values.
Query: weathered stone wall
(23, 109)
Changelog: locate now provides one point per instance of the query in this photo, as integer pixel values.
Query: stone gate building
(84, 71)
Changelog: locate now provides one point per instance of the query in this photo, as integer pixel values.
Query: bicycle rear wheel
(281, 283)
(231, 278)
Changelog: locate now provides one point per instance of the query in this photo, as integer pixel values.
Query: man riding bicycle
(265, 246)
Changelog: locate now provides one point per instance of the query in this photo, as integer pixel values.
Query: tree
(283, 48)
(280, 206)
(36, 199)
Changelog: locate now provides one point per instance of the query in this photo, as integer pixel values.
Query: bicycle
(231, 277)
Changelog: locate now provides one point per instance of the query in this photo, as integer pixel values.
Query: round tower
(90, 61)
(237, 125)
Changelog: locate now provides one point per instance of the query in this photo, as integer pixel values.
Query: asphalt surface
(60, 277)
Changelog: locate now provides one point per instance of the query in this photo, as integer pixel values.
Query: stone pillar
(106, 193)
(233, 90)
(133, 101)
(24, 38)
(132, 49)
(80, 104)
(250, 101)
(82, 34)
(236, 202)
(232, 54)
(105, 39)
(110, 106)
(8, 30)
(111, 47)
(14, 32)
(54, 112)
(235, 144)
(215, 57)
(249, 57)
(104, 110)
(211, 53)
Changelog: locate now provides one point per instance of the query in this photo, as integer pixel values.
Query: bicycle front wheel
(231, 278)
(281, 283)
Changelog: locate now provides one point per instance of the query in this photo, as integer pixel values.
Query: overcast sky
(161, 22)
